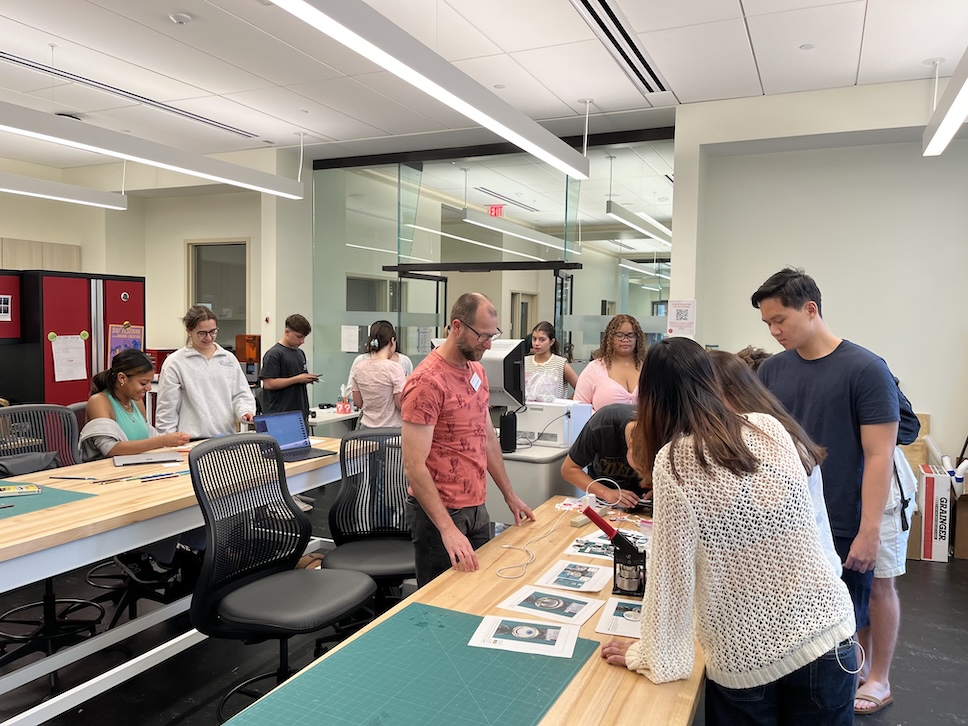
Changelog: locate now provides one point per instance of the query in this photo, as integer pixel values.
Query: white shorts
(892, 553)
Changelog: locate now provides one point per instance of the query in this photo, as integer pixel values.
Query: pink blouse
(595, 387)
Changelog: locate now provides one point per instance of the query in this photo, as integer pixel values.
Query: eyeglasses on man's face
(619, 335)
(207, 333)
(483, 337)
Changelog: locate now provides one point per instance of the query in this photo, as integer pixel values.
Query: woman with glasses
(202, 389)
(547, 375)
(613, 375)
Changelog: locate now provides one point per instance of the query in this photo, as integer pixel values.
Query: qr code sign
(682, 316)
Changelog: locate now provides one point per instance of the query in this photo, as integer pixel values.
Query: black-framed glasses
(207, 333)
(483, 337)
(624, 336)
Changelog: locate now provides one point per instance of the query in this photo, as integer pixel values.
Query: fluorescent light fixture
(474, 242)
(364, 30)
(637, 267)
(638, 221)
(45, 189)
(950, 112)
(498, 224)
(79, 135)
(388, 252)
(653, 289)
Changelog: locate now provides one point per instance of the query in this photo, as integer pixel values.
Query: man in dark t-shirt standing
(602, 446)
(845, 398)
(284, 373)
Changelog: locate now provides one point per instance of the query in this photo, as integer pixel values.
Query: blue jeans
(430, 554)
(821, 692)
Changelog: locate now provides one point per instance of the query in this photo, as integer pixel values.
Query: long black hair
(130, 361)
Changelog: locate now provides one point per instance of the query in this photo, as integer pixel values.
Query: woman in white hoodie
(202, 389)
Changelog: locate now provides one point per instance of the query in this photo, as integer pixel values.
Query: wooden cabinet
(25, 254)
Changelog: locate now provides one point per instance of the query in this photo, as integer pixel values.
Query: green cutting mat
(48, 497)
(416, 668)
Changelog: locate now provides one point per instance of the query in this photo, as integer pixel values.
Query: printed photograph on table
(551, 605)
(523, 636)
(621, 616)
(599, 546)
(567, 575)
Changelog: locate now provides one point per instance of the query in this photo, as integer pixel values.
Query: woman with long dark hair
(547, 374)
(736, 558)
(116, 422)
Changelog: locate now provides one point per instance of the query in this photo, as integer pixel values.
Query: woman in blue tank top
(116, 421)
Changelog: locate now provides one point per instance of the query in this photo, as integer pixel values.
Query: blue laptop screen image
(288, 428)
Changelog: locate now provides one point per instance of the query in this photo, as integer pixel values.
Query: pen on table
(75, 478)
(6, 506)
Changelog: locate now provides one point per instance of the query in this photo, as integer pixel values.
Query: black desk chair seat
(367, 519)
(255, 534)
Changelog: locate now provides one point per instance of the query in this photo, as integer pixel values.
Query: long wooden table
(600, 693)
(123, 515)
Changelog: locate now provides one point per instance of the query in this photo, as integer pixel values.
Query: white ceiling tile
(24, 80)
(362, 102)
(765, 7)
(582, 70)
(81, 99)
(392, 87)
(438, 26)
(514, 25)
(900, 35)
(521, 89)
(835, 31)
(321, 120)
(705, 62)
(648, 15)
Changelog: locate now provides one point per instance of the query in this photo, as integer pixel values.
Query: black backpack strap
(905, 525)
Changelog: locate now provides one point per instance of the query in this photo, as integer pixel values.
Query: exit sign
(496, 210)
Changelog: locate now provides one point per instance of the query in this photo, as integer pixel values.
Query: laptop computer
(149, 457)
(289, 429)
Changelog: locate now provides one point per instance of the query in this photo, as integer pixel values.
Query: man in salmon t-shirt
(449, 445)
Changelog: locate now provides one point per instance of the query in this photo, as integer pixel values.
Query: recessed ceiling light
(807, 46)
(180, 18)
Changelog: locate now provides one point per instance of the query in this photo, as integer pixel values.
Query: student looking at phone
(284, 371)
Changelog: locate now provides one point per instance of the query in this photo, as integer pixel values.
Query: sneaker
(144, 569)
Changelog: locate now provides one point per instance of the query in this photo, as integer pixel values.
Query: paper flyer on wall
(70, 358)
(546, 603)
(621, 616)
(565, 575)
(599, 546)
(523, 636)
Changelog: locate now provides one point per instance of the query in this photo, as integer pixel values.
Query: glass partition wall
(444, 215)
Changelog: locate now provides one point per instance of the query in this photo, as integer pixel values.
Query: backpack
(908, 427)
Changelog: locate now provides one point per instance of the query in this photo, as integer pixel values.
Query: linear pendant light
(46, 189)
(79, 135)
(950, 112)
(364, 30)
(638, 222)
(497, 224)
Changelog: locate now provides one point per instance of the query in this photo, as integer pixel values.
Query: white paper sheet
(349, 338)
(621, 616)
(70, 358)
(600, 547)
(547, 603)
(525, 636)
(565, 575)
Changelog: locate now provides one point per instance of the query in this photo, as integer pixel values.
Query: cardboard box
(914, 537)
(935, 503)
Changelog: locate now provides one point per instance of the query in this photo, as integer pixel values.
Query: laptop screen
(288, 428)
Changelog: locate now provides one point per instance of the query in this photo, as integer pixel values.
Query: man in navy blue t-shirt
(845, 398)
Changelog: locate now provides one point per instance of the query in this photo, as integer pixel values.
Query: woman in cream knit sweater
(736, 557)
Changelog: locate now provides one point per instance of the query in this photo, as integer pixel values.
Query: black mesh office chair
(35, 437)
(367, 519)
(255, 534)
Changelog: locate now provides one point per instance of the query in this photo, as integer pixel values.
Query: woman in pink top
(613, 375)
(377, 380)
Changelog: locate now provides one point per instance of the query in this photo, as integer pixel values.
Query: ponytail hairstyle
(548, 329)
(130, 361)
(382, 333)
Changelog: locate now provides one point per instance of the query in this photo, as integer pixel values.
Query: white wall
(879, 227)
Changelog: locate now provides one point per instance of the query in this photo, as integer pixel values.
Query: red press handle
(608, 529)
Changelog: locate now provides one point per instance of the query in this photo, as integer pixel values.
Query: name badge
(475, 381)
